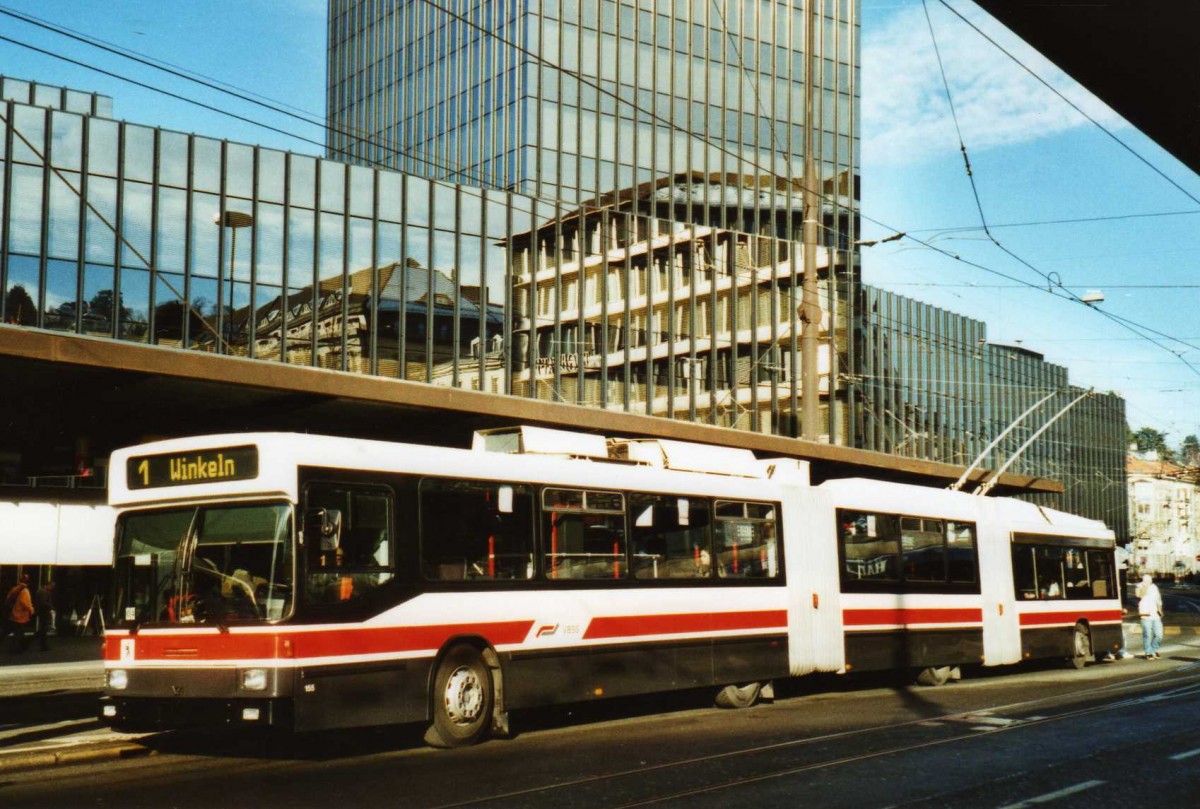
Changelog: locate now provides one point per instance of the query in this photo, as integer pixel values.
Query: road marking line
(1182, 756)
(1053, 796)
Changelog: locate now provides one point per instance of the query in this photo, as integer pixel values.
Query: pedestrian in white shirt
(1150, 610)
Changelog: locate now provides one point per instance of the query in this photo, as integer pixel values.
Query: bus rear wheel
(1082, 647)
(462, 700)
(738, 696)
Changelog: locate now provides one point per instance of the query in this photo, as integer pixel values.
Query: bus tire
(462, 699)
(738, 696)
(1082, 646)
(934, 676)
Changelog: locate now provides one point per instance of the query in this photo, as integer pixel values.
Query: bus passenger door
(1001, 624)
(815, 634)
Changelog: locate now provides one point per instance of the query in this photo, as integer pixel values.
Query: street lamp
(234, 220)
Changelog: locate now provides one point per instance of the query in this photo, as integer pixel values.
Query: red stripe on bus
(309, 645)
(1043, 618)
(897, 616)
(628, 626)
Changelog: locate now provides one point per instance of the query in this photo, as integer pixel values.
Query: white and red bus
(314, 582)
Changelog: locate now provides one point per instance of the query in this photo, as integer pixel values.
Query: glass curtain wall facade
(645, 122)
(921, 388)
(1018, 378)
(1094, 475)
(569, 99)
(930, 386)
(136, 233)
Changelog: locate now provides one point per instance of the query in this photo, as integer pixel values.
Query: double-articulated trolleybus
(312, 582)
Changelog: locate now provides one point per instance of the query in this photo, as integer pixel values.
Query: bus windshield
(206, 564)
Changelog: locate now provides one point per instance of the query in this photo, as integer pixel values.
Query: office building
(673, 116)
(929, 385)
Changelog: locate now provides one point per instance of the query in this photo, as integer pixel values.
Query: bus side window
(922, 543)
(962, 558)
(583, 535)
(1024, 578)
(870, 546)
(670, 537)
(475, 530)
(1050, 572)
(1100, 572)
(746, 539)
(348, 541)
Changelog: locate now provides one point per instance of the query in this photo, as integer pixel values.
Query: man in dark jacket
(43, 610)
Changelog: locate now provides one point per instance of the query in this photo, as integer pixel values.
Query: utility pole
(810, 302)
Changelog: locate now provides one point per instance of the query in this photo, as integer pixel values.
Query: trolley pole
(990, 483)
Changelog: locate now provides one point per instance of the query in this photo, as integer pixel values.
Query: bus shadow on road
(265, 744)
(277, 745)
(616, 708)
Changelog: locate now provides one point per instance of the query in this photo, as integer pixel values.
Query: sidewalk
(48, 704)
(71, 664)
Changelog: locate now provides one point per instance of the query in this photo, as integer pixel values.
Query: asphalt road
(1114, 734)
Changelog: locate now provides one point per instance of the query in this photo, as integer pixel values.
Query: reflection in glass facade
(569, 99)
(140, 234)
(661, 149)
(930, 386)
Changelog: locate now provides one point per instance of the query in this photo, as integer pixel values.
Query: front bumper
(169, 713)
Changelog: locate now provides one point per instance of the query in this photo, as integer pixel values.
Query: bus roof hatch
(688, 457)
(540, 441)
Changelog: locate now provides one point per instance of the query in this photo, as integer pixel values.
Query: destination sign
(192, 467)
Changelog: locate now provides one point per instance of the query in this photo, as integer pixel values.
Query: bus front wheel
(463, 697)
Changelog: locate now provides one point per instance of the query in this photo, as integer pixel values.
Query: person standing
(19, 612)
(43, 608)
(1150, 610)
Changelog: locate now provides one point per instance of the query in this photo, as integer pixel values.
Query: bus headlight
(118, 679)
(254, 679)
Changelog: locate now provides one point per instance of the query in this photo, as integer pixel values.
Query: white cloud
(906, 118)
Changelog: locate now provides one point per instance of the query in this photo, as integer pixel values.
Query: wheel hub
(463, 697)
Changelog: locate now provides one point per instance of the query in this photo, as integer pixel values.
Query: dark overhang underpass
(1139, 58)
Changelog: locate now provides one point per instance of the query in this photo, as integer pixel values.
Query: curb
(1168, 631)
(102, 751)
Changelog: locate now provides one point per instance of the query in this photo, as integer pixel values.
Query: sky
(1034, 159)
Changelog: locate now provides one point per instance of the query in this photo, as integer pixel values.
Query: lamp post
(234, 220)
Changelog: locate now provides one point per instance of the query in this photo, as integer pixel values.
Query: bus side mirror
(323, 529)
